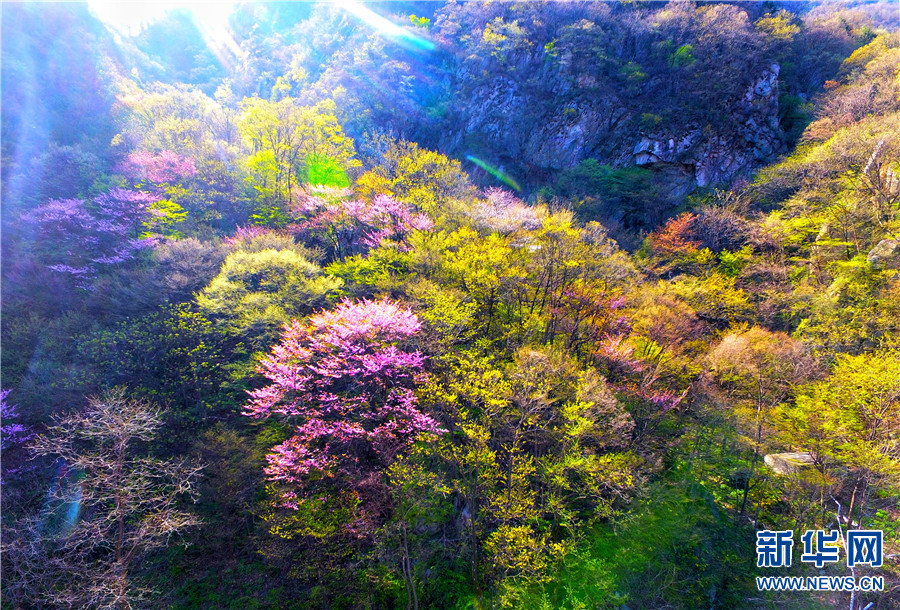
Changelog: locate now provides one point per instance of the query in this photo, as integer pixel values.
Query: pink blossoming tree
(81, 238)
(12, 434)
(504, 213)
(347, 380)
(165, 167)
(162, 173)
(349, 227)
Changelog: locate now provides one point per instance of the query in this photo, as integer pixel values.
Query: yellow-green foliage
(165, 216)
(255, 292)
(839, 195)
(424, 178)
(780, 26)
(859, 310)
(288, 142)
(715, 299)
(379, 271)
(447, 312)
(863, 57)
(849, 423)
(481, 267)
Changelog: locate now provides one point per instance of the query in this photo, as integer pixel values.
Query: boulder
(885, 255)
(789, 463)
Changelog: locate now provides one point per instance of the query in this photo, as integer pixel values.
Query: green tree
(538, 448)
(289, 144)
(424, 178)
(418, 496)
(850, 423)
(757, 370)
(175, 356)
(484, 267)
(256, 292)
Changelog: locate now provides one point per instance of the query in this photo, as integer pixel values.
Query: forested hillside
(449, 305)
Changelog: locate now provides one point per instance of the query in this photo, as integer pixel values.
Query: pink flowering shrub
(247, 234)
(81, 238)
(504, 213)
(346, 379)
(11, 434)
(160, 168)
(349, 227)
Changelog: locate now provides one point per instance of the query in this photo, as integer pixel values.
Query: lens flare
(385, 27)
(499, 174)
(130, 17)
(64, 501)
(210, 17)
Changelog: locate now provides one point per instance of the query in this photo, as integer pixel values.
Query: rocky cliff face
(537, 90)
(533, 88)
(716, 158)
(524, 134)
(521, 134)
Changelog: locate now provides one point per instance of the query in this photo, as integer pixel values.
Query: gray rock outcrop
(717, 158)
(885, 255)
(789, 463)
